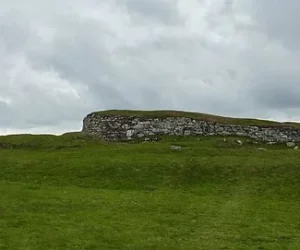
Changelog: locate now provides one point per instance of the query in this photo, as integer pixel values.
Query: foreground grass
(74, 192)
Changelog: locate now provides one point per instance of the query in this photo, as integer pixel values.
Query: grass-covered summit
(197, 116)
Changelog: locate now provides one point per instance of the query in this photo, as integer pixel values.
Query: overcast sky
(60, 60)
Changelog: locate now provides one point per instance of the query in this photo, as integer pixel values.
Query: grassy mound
(198, 116)
(77, 192)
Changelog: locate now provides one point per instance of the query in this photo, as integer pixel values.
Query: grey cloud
(279, 20)
(277, 92)
(58, 65)
(4, 118)
(14, 32)
(157, 11)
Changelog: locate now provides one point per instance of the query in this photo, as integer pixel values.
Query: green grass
(76, 192)
(198, 116)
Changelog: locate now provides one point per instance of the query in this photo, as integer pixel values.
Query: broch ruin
(128, 127)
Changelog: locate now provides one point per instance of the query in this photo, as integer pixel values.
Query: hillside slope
(76, 192)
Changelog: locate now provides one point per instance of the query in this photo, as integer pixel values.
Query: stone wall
(118, 127)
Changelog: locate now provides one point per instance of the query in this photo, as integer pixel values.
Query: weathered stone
(187, 132)
(262, 149)
(130, 133)
(138, 126)
(219, 129)
(239, 142)
(125, 127)
(140, 135)
(175, 148)
(290, 144)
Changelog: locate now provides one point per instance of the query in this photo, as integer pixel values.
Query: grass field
(73, 192)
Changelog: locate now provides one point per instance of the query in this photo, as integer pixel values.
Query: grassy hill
(198, 116)
(76, 192)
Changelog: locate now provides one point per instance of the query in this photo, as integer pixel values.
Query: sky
(61, 60)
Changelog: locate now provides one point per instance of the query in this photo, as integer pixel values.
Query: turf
(199, 116)
(76, 192)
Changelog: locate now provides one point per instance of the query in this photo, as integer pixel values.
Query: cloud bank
(60, 60)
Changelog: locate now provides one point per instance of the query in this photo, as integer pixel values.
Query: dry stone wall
(115, 128)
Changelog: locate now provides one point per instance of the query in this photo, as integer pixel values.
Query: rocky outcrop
(120, 127)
